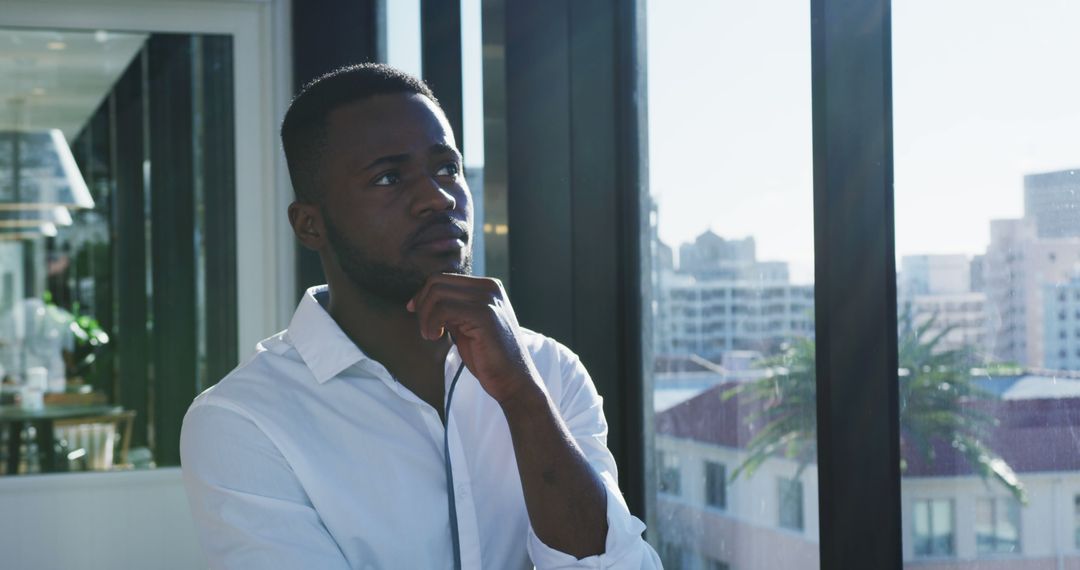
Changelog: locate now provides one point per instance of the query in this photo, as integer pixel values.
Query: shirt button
(463, 490)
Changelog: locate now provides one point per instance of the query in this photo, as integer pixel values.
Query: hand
(477, 312)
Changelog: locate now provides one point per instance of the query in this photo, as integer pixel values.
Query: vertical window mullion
(858, 415)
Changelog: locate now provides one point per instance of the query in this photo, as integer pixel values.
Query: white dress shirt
(310, 455)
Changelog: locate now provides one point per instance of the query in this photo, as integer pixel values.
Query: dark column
(130, 338)
(219, 211)
(327, 34)
(576, 180)
(858, 422)
(440, 29)
(172, 215)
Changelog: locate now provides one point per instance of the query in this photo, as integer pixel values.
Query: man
(404, 419)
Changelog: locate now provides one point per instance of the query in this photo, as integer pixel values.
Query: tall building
(722, 299)
(710, 317)
(713, 256)
(937, 289)
(1061, 324)
(1018, 265)
(934, 274)
(1052, 203)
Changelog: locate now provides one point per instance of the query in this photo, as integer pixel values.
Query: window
(711, 564)
(790, 494)
(1076, 521)
(733, 241)
(997, 526)
(673, 555)
(941, 66)
(670, 473)
(932, 530)
(715, 485)
(118, 262)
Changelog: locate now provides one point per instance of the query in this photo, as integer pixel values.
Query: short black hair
(303, 132)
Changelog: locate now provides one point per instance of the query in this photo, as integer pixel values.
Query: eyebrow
(396, 159)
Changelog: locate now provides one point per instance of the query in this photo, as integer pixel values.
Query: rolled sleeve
(624, 548)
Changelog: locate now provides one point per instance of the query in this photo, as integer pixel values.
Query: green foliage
(939, 402)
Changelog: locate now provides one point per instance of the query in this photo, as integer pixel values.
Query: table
(42, 420)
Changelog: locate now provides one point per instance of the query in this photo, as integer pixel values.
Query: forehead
(386, 124)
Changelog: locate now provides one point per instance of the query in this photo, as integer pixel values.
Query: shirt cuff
(623, 548)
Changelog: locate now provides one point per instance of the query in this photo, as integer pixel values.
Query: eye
(451, 169)
(387, 179)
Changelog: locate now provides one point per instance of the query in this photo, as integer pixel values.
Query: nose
(432, 197)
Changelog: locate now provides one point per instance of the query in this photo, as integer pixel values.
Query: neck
(381, 328)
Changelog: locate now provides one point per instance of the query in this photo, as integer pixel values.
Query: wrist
(528, 397)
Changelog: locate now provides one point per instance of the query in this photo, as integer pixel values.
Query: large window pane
(117, 243)
(731, 292)
(987, 178)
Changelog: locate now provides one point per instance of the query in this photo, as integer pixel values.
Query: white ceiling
(56, 80)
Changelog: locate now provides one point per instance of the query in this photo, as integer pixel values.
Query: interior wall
(137, 519)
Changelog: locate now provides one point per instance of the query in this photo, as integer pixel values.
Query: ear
(307, 223)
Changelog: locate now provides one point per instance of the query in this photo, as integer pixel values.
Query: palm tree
(939, 403)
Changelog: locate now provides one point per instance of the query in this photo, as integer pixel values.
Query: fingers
(455, 315)
(449, 297)
(442, 295)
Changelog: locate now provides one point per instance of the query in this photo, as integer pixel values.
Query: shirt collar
(325, 348)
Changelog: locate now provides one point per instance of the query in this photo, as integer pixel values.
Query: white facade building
(962, 314)
(938, 289)
(709, 317)
(934, 274)
(952, 519)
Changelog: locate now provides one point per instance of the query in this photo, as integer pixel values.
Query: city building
(934, 274)
(1061, 324)
(1052, 203)
(962, 315)
(1018, 265)
(937, 290)
(709, 317)
(722, 299)
(715, 256)
(951, 517)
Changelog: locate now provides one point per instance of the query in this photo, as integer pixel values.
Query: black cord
(450, 491)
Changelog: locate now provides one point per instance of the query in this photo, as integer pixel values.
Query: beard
(393, 283)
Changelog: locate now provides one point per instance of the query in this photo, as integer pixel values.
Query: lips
(441, 236)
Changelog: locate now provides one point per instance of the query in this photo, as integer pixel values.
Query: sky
(984, 93)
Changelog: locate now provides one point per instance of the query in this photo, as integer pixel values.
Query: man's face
(396, 207)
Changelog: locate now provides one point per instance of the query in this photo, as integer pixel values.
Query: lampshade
(34, 218)
(37, 172)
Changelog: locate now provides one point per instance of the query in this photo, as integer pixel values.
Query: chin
(460, 266)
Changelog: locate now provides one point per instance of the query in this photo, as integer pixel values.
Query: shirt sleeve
(624, 548)
(250, 510)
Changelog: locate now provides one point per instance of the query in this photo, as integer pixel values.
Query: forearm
(566, 500)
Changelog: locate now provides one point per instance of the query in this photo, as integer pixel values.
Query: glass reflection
(115, 172)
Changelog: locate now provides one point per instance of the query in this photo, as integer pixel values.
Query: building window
(672, 555)
(933, 532)
(791, 503)
(716, 485)
(713, 564)
(670, 473)
(997, 526)
(1076, 521)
